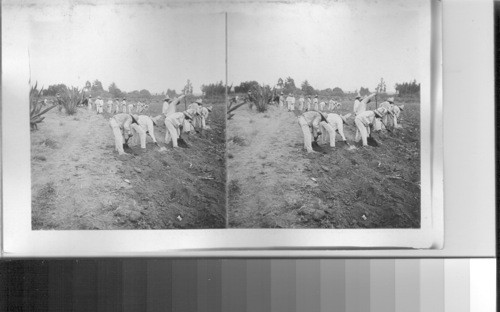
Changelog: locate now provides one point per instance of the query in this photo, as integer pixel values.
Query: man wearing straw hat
(290, 102)
(308, 103)
(393, 110)
(170, 106)
(315, 103)
(364, 121)
(204, 115)
(310, 122)
(337, 122)
(360, 103)
(301, 103)
(173, 123)
(99, 103)
(121, 125)
(89, 103)
(282, 100)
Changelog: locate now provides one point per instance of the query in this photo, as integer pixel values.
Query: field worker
(117, 106)
(308, 104)
(290, 101)
(122, 125)
(331, 105)
(169, 105)
(360, 104)
(196, 106)
(301, 103)
(204, 115)
(59, 102)
(173, 123)
(124, 106)
(194, 112)
(282, 100)
(315, 103)
(311, 122)
(365, 120)
(99, 103)
(89, 103)
(393, 110)
(322, 105)
(337, 122)
(110, 105)
(147, 124)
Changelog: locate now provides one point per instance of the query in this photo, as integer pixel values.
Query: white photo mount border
(20, 241)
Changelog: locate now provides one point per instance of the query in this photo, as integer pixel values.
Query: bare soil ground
(80, 182)
(274, 183)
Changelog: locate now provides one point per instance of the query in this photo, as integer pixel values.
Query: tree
(245, 86)
(307, 88)
(97, 86)
(408, 88)
(337, 92)
(188, 88)
(289, 86)
(381, 88)
(364, 91)
(145, 93)
(214, 89)
(52, 90)
(170, 93)
(114, 90)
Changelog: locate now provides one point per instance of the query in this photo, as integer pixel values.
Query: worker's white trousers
(138, 132)
(281, 104)
(172, 133)
(362, 131)
(316, 107)
(118, 136)
(306, 131)
(99, 109)
(321, 107)
(110, 108)
(89, 106)
(301, 107)
(331, 133)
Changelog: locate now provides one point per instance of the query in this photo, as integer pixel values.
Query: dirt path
(80, 182)
(274, 183)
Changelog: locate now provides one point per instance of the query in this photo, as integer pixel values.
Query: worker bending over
(173, 123)
(337, 122)
(122, 125)
(311, 122)
(364, 122)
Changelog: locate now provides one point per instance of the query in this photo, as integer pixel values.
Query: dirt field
(80, 182)
(274, 183)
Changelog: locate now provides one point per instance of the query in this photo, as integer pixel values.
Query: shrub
(36, 107)
(71, 99)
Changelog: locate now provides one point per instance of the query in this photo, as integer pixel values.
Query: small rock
(179, 218)
(134, 216)
(126, 180)
(325, 168)
(318, 215)
(313, 179)
(364, 217)
(137, 170)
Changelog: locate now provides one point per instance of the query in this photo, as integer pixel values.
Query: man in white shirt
(169, 106)
(315, 103)
(364, 121)
(337, 123)
(290, 101)
(360, 105)
(121, 124)
(99, 103)
(301, 103)
(308, 104)
(110, 106)
(173, 122)
(311, 122)
(89, 103)
(322, 106)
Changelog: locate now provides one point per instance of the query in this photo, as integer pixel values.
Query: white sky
(344, 44)
(135, 46)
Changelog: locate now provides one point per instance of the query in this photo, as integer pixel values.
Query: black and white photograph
(325, 130)
(127, 117)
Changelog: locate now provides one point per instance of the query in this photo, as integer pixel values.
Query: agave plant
(231, 108)
(37, 107)
(72, 97)
(260, 96)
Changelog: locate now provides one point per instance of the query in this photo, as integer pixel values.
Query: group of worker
(115, 107)
(126, 125)
(307, 104)
(315, 122)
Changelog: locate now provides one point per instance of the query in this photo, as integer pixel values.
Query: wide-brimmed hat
(358, 97)
(200, 101)
(390, 100)
(281, 92)
(90, 96)
(124, 99)
(209, 108)
(316, 96)
(344, 118)
(401, 107)
(380, 112)
(188, 115)
(99, 97)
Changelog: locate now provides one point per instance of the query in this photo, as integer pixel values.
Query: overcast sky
(137, 47)
(345, 43)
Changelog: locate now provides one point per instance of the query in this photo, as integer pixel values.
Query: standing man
(124, 106)
(99, 103)
(130, 107)
(169, 106)
(290, 102)
(360, 105)
(60, 103)
(282, 100)
(315, 103)
(331, 105)
(301, 103)
(322, 106)
(308, 104)
(89, 103)
(110, 105)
